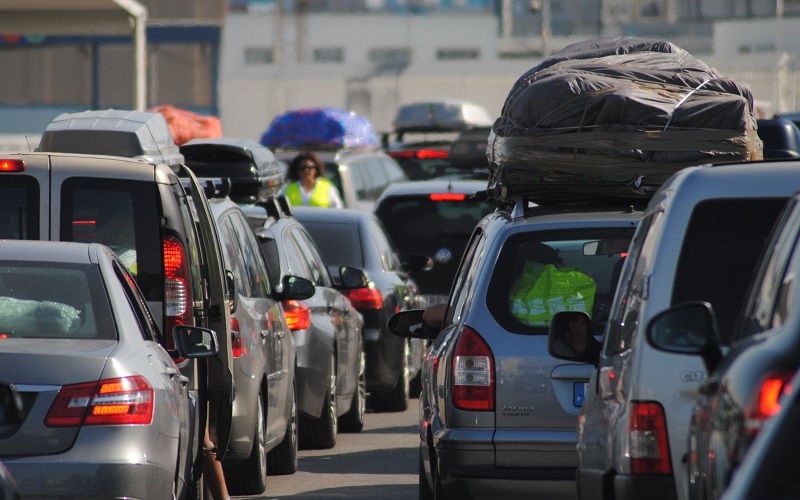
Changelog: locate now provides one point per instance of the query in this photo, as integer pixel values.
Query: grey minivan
(498, 414)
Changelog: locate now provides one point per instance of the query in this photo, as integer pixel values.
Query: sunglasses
(308, 166)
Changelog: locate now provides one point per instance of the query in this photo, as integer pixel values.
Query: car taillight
(366, 298)
(649, 449)
(298, 314)
(236, 339)
(766, 402)
(473, 373)
(116, 401)
(420, 153)
(12, 165)
(177, 305)
(448, 196)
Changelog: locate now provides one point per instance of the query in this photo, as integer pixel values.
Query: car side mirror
(352, 278)
(409, 324)
(570, 337)
(688, 328)
(195, 342)
(297, 288)
(416, 262)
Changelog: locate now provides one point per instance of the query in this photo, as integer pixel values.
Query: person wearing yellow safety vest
(307, 185)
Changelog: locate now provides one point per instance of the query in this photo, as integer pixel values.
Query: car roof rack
(214, 187)
(277, 206)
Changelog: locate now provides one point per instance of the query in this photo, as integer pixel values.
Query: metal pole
(139, 14)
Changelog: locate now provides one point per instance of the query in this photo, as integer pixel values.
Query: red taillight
(365, 298)
(12, 165)
(117, 401)
(767, 401)
(473, 373)
(420, 153)
(448, 196)
(298, 314)
(649, 448)
(236, 339)
(177, 304)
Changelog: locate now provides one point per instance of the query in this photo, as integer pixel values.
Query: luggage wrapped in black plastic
(614, 118)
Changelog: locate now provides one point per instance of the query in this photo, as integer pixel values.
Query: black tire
(320, 433)
(397, 398)
(425, 491)
(282, 460)
(250, 477)
(353, 420)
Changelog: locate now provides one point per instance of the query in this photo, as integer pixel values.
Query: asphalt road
(379, 462)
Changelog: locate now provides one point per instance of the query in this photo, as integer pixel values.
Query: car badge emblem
(444, 255)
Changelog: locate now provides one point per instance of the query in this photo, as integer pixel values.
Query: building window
(457, 54)
(258, 55)
(390, 57)
(329, 55)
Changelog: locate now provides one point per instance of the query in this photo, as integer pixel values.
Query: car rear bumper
(591, 484)
(467, 468)
(384, 358)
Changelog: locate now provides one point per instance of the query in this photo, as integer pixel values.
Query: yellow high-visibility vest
(320, 195)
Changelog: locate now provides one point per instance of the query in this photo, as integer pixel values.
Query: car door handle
(264, 333)
(184, 380)
(172, 372)
(280, 334)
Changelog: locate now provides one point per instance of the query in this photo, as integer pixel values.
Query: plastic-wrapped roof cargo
(320, 128)
(254, 171)
(616, 117)
(113, 132)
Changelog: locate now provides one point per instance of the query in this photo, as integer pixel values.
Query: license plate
(432, 300)
(578, 393)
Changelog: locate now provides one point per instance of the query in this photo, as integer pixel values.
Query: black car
(357, 240)
(326, 329)
(433, 219)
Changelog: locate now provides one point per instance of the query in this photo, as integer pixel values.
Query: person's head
(304, 165)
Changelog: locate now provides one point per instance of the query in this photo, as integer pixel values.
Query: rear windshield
(421, 224)
(339, 244)
(121, 215)
(19, 208)
(539, 273)
(53, 301)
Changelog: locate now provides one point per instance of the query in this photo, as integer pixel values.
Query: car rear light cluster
(365, 298)
(298, 314)
(649, 443)
(448, 196)
(12, 165)
(178, 310)
(116, 401)
(472, 374)
(236, 339)
(766, 402)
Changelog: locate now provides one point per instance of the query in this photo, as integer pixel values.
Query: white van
(699, 239)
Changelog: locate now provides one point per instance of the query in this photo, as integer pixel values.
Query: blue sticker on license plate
(578, 393)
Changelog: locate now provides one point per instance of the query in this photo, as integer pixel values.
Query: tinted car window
(233, 256)
(253, 261)
(464, 278)
(19, 208)
(309, 254)
(340, 244)
(122, 216)
(539, 273)
(723, 241)
(54, 301)
(386, 249)
(393, 170)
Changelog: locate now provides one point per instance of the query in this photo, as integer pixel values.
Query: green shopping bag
(543, 290)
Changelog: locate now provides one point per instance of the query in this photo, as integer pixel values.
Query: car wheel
(353, 420)
(320, 433)
(425, 491)
(282, 459)
(250, 477)
(397, 398)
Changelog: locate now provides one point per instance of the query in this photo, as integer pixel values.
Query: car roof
(47, 251)
(586, 213)
(433, 186)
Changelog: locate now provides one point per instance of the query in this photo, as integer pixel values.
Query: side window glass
(379, 177)
(393, 170)
(232, 256)
(466, 273)
(360, 180)
(774, 280)
(627, 300)
(388, 254)
(19, 195)
(147, 326)
(253, 260)
(297, 264)
(316, 265)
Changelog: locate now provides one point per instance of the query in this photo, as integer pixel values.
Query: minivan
(699, 240)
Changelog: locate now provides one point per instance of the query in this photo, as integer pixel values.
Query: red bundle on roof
(186, 125)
